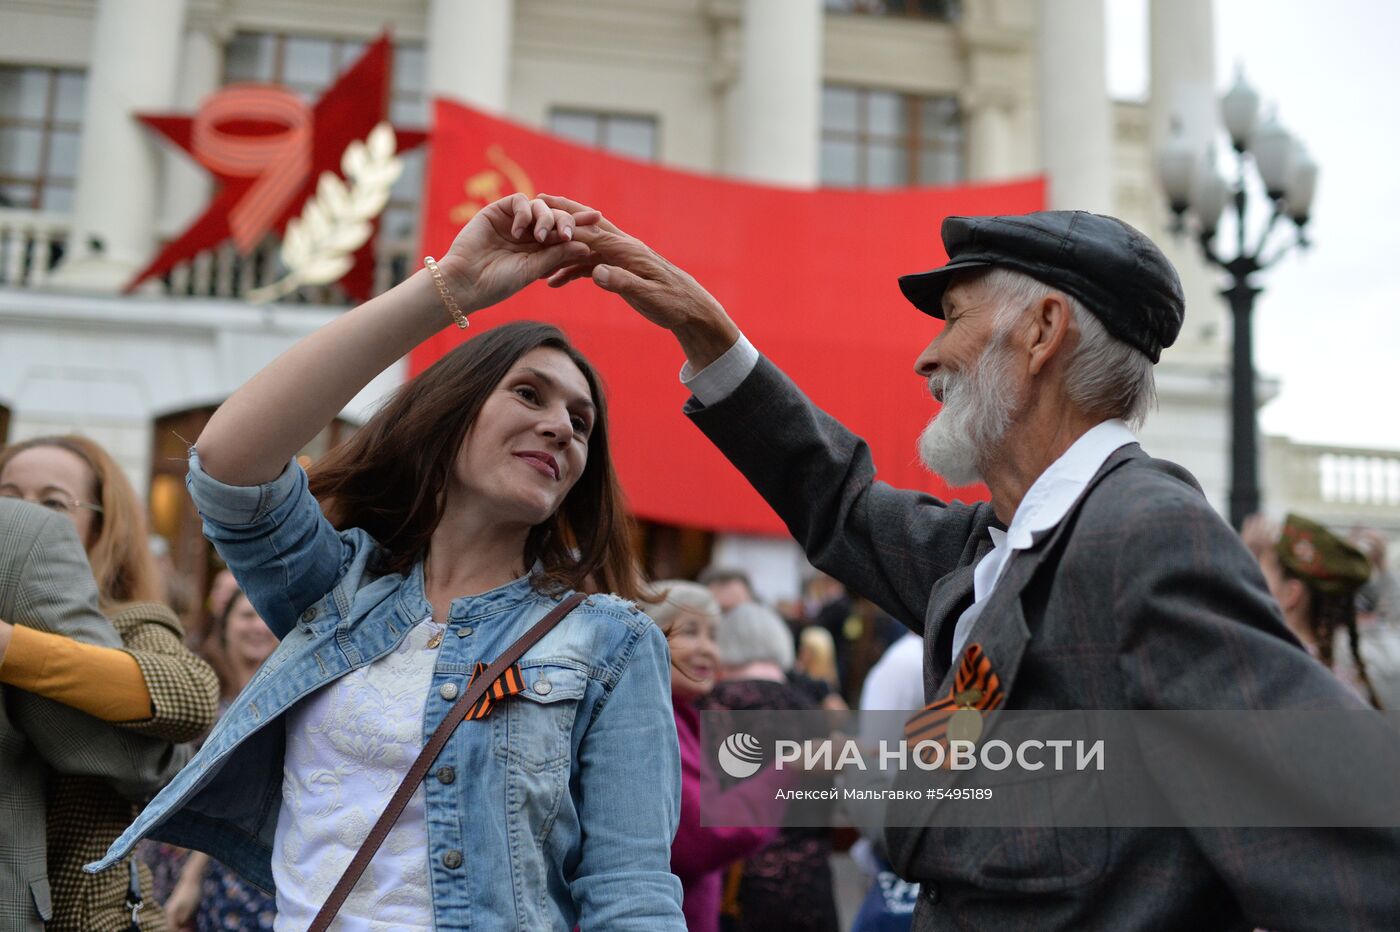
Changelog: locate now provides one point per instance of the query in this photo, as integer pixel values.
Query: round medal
(965, 725)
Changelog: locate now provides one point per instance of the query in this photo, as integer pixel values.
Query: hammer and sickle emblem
(504, 177)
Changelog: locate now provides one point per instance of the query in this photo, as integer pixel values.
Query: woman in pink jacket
(699, 855)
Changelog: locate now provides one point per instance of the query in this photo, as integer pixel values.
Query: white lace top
(348, 747)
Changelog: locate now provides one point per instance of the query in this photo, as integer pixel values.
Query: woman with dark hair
(468, 508)
(1315, 576)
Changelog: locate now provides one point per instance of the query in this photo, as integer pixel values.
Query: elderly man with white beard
(1097, 577)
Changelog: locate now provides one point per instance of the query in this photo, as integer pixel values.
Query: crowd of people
(259, 766)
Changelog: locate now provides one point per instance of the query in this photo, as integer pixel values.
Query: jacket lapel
(950, 596)
(1001, 629)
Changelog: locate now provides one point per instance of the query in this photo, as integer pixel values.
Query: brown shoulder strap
(425, 759)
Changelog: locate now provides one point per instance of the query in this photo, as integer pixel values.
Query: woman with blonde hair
(816, 654)
(153, 686)
(814, 673)
(111, 523)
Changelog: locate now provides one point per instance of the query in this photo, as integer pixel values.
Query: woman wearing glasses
(155, 686)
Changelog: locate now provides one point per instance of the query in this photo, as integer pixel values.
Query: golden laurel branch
(319, 246)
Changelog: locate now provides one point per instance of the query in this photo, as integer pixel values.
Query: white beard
(976, 414)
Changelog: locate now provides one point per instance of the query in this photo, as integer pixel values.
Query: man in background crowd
(729, 586)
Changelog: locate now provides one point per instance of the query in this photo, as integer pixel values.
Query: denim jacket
(570, 793)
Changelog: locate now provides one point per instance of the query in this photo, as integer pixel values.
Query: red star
(346, 112)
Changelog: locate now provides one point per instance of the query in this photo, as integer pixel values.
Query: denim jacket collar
(412, 603)
(582, 764)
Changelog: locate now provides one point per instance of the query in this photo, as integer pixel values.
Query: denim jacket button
(452, 859)
(542, 687)
(446, 774)
(464, 631)
(448, 690)
(309, 614)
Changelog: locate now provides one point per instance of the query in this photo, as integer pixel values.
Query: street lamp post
(1198, 197)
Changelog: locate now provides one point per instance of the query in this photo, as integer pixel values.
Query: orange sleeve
(102, 681)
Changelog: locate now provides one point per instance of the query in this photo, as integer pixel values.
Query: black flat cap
(1118, 274)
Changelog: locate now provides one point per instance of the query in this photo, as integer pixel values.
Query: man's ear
(1050, 322)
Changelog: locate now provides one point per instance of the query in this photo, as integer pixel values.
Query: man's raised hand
(509, 244)
(660, 291)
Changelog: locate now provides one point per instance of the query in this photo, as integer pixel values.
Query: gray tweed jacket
(1142, 598)
(45, 582)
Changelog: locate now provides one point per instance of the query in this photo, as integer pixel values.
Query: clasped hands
(517, 240)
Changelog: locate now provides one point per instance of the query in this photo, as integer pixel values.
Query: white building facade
(788, 92)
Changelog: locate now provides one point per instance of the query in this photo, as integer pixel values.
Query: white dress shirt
(1045, 504)
(719, 379)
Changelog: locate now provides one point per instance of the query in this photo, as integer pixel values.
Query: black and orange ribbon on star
(958, 715)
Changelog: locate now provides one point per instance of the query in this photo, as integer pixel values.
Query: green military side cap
(1320, 558)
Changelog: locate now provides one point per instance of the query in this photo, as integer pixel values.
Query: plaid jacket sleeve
(46, 582)
(184, 690)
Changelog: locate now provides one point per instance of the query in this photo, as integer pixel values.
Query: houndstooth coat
(85, 815)
(46, 583)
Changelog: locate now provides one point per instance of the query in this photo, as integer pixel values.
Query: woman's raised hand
(660, 291)
(509, 244)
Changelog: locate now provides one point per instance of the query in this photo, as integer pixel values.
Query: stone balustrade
(1335, 484)
(32, 244)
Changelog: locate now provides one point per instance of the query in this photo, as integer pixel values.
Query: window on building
(947, 10)
(881, 139)
(41, 121)
(623, 133)
(309, 64)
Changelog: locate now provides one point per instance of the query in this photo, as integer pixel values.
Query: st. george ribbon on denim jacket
(570, 794)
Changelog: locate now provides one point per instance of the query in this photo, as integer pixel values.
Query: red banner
(809, 275)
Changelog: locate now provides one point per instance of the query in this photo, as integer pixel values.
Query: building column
(778, 94)
(989, 134)
(188, 186)
(1182, 62)
(469, 52)
(773, 135)
(135, 60)
(1182, 68)
(1193, 417)
(1075, 112)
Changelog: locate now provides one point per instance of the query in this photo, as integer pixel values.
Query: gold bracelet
(446, 295)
